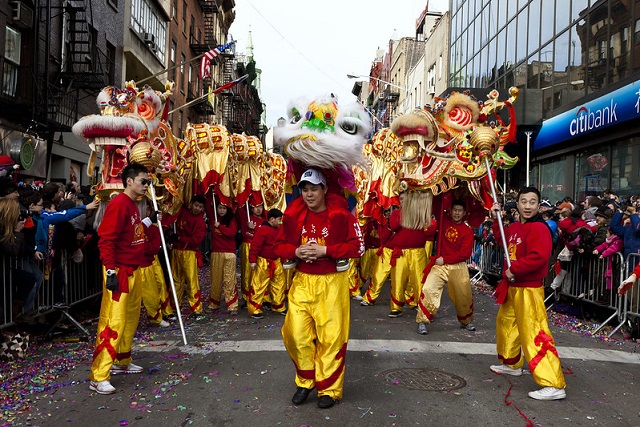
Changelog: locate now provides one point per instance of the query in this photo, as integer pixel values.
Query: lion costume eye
(295, 116)
(350, 128)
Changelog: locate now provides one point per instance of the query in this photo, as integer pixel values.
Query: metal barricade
(82, 281)
(595, 280)
(631, 300)
(490, 264)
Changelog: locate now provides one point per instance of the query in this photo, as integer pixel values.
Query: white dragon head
(320, 134)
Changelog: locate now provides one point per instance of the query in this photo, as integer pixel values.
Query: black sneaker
(469, 327)
(197, 316)
(171, 318)
(300, 395)
(326, 402)
(266, 306)
(257, 316)
(395, 313)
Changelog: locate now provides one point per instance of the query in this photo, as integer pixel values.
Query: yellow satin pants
(406, 277)
(522, 326)
(245, 270)
(316, 330)
(379, 274)
(223, 272)
(184, 265)
(117, 326)
(456, 277)
(261, 282)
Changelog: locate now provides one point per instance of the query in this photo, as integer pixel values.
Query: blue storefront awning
(611, 109)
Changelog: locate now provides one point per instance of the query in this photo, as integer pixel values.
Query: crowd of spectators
(42, 226)
(600, 226)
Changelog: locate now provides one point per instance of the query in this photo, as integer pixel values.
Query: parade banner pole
(215, 208)
(248, 213)
(499, 217)
(166, 258)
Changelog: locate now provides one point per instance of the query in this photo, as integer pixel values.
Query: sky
(307, 49)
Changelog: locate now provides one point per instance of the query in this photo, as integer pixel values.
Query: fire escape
(230, 115)
(209, 15)
(83, 67)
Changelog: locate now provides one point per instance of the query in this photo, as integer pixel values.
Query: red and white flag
(230, 84)
(205, 62)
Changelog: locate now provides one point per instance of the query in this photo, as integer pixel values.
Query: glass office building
(577, 65)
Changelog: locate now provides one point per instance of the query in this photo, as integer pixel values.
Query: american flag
(230, 84)
(205, 63)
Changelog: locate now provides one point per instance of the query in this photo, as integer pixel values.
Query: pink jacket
(610, 246)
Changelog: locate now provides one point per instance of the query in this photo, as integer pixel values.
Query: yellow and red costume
(151, 289)
(371, 246)
(191, 230)
(122, 245)
(268, 276)
(456, 246)
(521, 324)
(381, 264)
(223, 266)
(316, 328)
(408, 260)
(247, 238)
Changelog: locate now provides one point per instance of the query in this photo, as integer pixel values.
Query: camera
(24, 214)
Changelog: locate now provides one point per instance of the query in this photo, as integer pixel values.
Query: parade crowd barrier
(82, 281)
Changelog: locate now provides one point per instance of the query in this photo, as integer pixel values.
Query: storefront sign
(613, 108)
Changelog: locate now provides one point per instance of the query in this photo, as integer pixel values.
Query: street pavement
(235, 372)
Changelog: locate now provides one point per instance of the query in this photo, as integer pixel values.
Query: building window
(192, 30)
(111, 55)
(183, 59)
(174, 12)
(184, 18)
(636, 34)
(146, 21)
(172, 61)
(12, 43)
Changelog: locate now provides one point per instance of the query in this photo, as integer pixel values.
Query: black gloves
(112, 282)
(154, 217)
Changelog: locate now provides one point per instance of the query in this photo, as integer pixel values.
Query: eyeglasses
(145, 181)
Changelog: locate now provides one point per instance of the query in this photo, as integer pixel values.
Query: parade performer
(408, 261)
(191, 230)
(268, 275)
(381, 264)
(450, 268)
(152, 298)
(122, 246)
(223, 260)
(248, 222)
(323, 143)
(521, 324)
(317, 230)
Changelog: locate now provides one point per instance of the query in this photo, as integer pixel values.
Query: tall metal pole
(528, 155)
(166, 258)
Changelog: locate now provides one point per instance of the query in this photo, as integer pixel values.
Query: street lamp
(403, 89)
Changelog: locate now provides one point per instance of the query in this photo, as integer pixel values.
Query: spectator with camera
(13, 244)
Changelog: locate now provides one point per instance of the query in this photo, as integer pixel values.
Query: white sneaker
(422, 329)
(128, 369)
(102, 387)
(161, 324)
(506, 370)
(548, 393)
(356, 297)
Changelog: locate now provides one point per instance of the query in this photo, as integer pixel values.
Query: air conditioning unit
(149, 38)
(21, 14)
(432, 90)
(153, 47)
